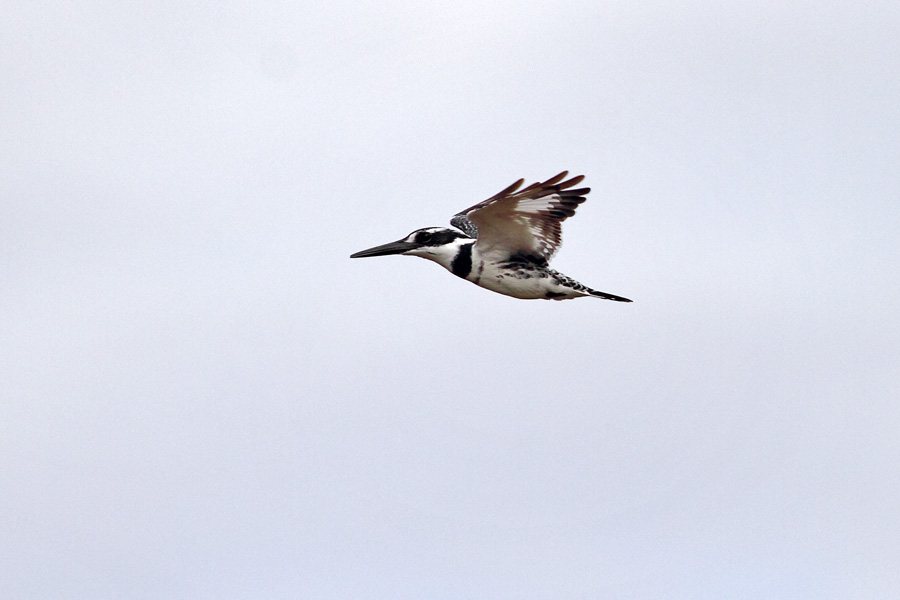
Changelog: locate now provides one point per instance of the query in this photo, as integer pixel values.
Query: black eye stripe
(435, 238)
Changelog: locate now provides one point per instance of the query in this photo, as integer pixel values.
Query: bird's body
(505, 243)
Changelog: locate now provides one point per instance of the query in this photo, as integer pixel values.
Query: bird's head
(434, 243)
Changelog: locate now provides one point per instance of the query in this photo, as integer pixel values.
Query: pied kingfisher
(505, 243)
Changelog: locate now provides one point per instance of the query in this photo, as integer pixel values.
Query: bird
(505, 243)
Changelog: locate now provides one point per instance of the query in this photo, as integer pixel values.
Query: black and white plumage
(505, 243)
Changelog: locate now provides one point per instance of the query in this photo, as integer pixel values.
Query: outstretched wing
(526, 223)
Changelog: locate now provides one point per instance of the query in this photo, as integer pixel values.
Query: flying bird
(505, 243)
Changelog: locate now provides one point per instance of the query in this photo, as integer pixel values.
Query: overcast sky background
(204, 397)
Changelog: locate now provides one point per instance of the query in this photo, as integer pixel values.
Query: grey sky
(202, 396)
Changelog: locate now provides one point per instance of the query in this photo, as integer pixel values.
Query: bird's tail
(606, 296)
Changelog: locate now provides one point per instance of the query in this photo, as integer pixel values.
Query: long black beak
(385, 249)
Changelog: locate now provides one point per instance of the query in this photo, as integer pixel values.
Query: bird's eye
(424, 237)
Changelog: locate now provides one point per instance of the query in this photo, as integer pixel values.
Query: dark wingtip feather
(574, 181)
(578, 192)
(554, 180)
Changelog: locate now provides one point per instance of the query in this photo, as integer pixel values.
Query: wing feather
(524, 224)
